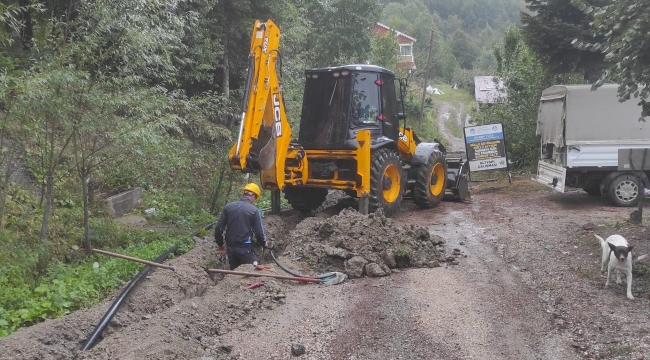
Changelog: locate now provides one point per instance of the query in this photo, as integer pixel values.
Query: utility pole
(426, 77)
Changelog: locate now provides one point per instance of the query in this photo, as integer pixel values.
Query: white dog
(621, 261)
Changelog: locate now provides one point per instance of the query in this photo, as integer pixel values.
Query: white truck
(581, 133)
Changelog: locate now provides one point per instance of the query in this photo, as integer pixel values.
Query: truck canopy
(575, 115)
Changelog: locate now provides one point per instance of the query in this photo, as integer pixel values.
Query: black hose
(319, 277)
(120, 299)
(90, 342)
(285, 269)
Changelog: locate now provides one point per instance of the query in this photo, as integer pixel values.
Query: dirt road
(450, 114)
(522, 282)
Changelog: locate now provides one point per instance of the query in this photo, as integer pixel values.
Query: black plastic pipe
(90, 342)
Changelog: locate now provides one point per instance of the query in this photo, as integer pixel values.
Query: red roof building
(405, 58)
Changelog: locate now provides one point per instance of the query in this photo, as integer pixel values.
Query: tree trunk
(227, 196)
(426, 78)
(636, 217)
(49, 187)
(642, 187)
(83, 174)
(4, 188)
(7, 160)
(27, 30)
(226, 83)
(217, 188)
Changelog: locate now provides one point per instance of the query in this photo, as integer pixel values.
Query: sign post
(637, 160)
(486, 148)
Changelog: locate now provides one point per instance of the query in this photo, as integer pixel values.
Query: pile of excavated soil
(359, 245)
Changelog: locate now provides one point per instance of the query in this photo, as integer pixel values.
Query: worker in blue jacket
(241, 220)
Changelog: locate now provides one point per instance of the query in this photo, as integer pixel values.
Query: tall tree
(464, 49)
(13, 139)
(524, 78)
(343, 35)
(623, 27)
(75, 99)
(550, 27)
(384, 51)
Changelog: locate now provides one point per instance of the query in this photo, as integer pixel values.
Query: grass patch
(453, 95)
(400, 251)
(452, 125)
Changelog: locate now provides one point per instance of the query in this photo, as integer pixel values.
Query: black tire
(430, 181)
(624, 190)
(305, 198)
(593, 191)
(386, 181)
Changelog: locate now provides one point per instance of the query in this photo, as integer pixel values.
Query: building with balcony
(405, 60)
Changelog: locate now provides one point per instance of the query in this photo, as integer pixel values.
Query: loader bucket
(457, 179)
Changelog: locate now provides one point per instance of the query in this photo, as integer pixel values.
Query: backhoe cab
(350, 137)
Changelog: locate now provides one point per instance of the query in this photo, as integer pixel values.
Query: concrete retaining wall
(125, 202)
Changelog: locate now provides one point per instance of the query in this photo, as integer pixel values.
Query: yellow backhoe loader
(350, 137)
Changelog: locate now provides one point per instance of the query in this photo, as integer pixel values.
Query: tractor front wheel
(386, 181)
(429, 186)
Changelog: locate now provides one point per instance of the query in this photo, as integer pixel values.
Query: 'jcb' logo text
(265, 46)
(277, 115)
(403, 137)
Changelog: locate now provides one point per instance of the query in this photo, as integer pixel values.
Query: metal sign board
(486, 147)
(633, 159)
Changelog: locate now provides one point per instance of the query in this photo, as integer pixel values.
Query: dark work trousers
(240, 255)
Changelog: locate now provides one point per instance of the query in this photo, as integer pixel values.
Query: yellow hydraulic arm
(264, 132)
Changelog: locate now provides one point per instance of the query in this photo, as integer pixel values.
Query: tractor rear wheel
(429, 186)
(305, 198)
(386, 181)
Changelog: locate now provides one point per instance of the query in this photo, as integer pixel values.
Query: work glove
(221, 249)
(263, 268)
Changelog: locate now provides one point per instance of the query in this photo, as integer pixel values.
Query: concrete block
(125, 202)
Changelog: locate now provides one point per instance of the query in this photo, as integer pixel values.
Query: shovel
(332, 280)
(104, 252)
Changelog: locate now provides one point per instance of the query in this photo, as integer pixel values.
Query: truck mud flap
(457, 180)
(551, 175)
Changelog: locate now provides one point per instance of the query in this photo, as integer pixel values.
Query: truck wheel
(386, 181)
(305, 198)
(429, 186)
(624, 190)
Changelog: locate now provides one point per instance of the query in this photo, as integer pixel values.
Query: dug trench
(510, 275)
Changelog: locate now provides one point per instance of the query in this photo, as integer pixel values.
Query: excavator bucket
(457, 179)
(267, 154)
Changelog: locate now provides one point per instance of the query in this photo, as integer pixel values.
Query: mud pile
(359, 245)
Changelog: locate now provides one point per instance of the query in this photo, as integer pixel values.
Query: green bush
(68, 287)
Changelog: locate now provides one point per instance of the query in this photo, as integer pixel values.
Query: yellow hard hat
(254, 189)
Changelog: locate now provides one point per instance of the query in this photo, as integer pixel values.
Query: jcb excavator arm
(264, 133)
